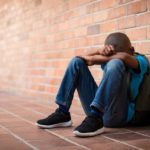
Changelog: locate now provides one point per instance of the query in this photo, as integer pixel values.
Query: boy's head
(120, 41)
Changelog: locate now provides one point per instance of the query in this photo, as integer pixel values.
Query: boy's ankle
(64, 109)
(96, 113)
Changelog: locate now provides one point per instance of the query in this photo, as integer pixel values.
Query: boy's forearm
(128, 59)
(92, 52)
(99, 59)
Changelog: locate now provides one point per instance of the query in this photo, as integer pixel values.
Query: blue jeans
(110, 97)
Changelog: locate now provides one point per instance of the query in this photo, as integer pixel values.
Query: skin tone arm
(106, 51)
(128, 59)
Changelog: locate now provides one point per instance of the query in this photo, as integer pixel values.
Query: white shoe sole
(97, 132)
(63, 124)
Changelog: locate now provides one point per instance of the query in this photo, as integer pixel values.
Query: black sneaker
(90, 126)
(56, 119)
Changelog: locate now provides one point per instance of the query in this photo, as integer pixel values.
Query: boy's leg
(111, 100)
(112, 95)
(77, 76)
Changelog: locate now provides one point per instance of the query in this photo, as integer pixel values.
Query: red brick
(148, 4)
(137, 7)
(38, 87)
(83, 42)
(148, 33)
(73, 4)
(108, 3)
(38, 2)
(108, 27)
(37, 44)
(36, 79)
(126, 22)
(82, 31)
(137, 34)
(103, 15)
(143, 47)
(86, 20)
(37, 64)
(53, 81)
(37, 72)
(101, 5)
(124, 1)
(117, 12)
(51, 89)
(93, 29)
(143, 19)
(97, 40)
(94, 7)
(62, 26)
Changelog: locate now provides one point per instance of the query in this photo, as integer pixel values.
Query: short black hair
(119, 40)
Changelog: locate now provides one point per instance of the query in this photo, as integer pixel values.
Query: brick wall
(39, 37)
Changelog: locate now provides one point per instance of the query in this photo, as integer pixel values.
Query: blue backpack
(142, 102)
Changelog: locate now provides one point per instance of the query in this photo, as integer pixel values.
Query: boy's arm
(106, 51)
(128, 59)
(96, 59)
(92, 52)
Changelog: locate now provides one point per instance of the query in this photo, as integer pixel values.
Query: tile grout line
(62, 137)
(19, 138)
(40, 112)
(49, 107)
(124, 143)
(128, 131)
(139, 133)
(79, 116)
(66, 139)
(118, 133)
(17, 116)
(102, 135)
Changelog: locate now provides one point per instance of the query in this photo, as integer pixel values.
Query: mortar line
(19, 138)
(129, 131)
(124, 143)
(53, 133)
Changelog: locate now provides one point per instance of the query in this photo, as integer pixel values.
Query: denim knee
(77, 61)
(115, 64)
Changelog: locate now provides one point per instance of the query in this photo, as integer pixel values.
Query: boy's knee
(115, 64)
(77, 61)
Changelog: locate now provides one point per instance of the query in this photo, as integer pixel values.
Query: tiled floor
(18, 131)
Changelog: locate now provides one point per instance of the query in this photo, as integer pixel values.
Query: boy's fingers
(112, 48)
(106, 51)
(109, 50)
(108, 47)
(103, 52)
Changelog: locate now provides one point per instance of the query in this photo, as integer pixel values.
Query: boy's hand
(108, 50)
(87, 59)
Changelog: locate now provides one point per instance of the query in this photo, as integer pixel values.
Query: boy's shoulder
(143, 62)
(141, 56)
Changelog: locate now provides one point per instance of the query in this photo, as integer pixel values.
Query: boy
(107, 104)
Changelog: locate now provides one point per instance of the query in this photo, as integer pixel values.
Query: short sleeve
(143, 64)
